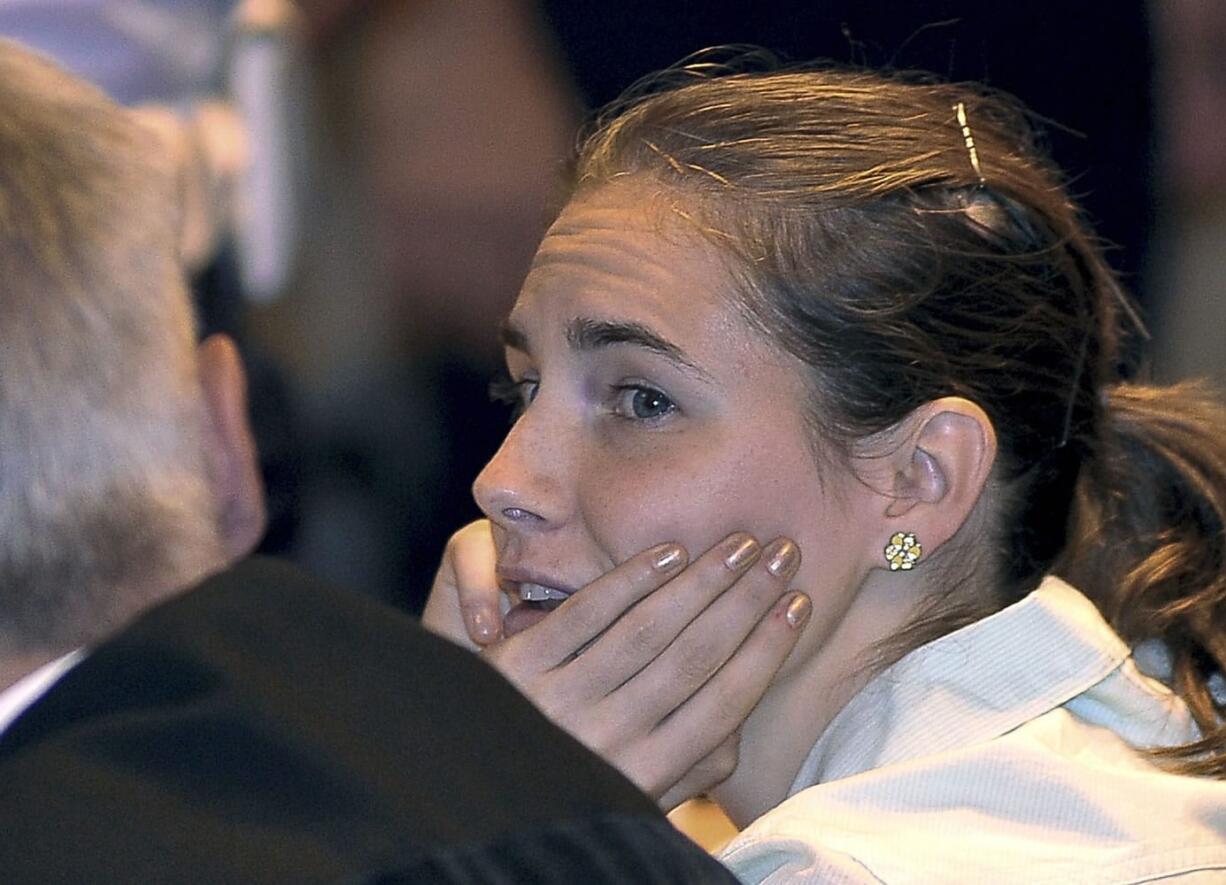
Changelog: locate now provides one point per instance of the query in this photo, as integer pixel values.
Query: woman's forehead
(623, 245)
(618, 265)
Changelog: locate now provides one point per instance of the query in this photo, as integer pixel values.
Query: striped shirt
(1007, 752)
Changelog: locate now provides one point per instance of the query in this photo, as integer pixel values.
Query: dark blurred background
(430, 139)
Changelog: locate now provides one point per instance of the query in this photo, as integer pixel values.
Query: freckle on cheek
(639, 507)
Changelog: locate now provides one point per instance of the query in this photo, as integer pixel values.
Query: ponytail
(1147, 543)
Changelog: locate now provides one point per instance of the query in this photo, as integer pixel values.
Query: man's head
(126, 466)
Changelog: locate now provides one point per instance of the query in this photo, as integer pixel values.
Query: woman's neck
(776, 739)
(804, 699)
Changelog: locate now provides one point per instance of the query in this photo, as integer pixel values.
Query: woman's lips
(536, 601)
(530, 592)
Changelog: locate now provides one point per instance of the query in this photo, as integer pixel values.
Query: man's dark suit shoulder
(266, 727)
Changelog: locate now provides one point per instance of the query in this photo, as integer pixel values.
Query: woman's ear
(940, 472)
(230, 448)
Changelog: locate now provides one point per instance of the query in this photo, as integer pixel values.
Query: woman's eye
(643, 403)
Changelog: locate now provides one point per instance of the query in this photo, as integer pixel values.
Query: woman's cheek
(690, 493)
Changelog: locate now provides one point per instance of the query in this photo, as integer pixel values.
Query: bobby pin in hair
(960, 110)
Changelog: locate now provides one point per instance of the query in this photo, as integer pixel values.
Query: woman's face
(653, 412)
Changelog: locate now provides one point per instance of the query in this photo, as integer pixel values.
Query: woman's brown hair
(908, 240)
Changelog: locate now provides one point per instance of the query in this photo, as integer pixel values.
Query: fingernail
(798, 611)
(667, 557)
(784, 559)
(484, 625)
(741, 550)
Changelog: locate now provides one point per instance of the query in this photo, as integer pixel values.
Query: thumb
(474, 559)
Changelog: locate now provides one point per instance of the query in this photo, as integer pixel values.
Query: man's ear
(230, 448)
(941, 471)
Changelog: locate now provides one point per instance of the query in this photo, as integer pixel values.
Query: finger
(589, 612)
(715, 635)
(720, 707)
(474, 560)
(443, 614)
(677, 649)
(711, 771)
(643, 632)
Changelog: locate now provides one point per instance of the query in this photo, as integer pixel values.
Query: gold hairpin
(960, 110)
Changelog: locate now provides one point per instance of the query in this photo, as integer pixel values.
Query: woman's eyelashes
(640, 402)
(629, 401)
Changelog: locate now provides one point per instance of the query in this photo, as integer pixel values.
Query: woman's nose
(523, 486)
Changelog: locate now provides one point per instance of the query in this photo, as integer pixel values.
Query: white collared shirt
(1005, 752)
(19, 696)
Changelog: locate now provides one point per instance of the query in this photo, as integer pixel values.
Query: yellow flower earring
(903, 551)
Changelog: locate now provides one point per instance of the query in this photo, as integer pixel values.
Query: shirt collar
(22, 694)
(971, 685)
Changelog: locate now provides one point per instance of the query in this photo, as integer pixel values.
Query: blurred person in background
(1190, 269)
(444, 128)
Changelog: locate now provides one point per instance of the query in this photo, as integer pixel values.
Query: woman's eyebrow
(586, 334)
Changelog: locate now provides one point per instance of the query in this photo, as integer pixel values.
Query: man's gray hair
(103, 486)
